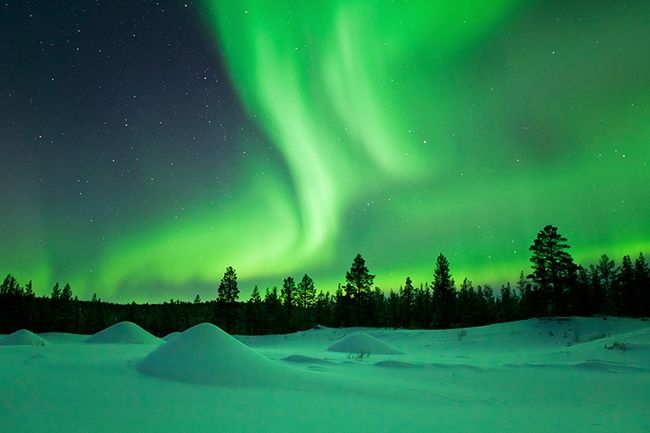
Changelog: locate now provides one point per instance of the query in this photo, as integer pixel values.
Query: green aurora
(399, 130)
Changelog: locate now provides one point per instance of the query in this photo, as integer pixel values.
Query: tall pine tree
(552, 268)
(444, 294)
(287, 294)
(228, 291)
(358, 290)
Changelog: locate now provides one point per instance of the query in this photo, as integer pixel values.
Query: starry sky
(145, 146)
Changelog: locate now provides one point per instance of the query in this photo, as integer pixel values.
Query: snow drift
(124, 332)
(205, 354)
(23, 337)
(171, 335)
(363, 343)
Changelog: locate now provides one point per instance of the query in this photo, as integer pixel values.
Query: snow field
(540, 375)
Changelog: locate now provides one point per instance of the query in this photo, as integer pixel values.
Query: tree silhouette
(306, 300)
(444, 295)
(407, 296)
(358, 287)
(66, 294)
(607, 275)
(56, 291)
(642, 283)
(228, 291)
(306, 292)
(552, 268)
(625, 287)
(287, 294)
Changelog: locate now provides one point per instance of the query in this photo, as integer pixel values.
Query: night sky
(145, 146)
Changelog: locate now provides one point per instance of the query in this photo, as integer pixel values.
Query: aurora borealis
(145, 146)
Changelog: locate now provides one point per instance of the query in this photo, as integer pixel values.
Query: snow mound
(23, 337)
(171, 335)
(301, 359)
(124, 332)
(363, 343)
(205, 354)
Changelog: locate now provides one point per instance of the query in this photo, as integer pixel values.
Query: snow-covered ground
(573, 375)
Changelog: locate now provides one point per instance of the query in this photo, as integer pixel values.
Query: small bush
(616, 345)
(359, 356)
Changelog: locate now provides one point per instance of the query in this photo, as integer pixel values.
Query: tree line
(555, 286)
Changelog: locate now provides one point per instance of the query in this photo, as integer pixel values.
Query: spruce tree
(358, 289)
(552, 268)
(273, 307)
(642, 284)
(608, 274)
(287, 294)
(422, 307)
(407, 296)
(444, 294)
(626, 288)
(305, 300)
(66, 294)
(29, 290)
(228, 292)
(255, 296)
(56, 292)
(306, 292)
(254, 312)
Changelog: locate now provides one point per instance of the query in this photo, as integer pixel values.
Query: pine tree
(407, 298)
(607, 274)
(4, 287)
(306, 292)
(444, 294)
(358, 288)
(509, 304)
(422, 307)
(255, 296)
(29, 290)
(287, 295)
(56, 292)
(10, 286)
(597, 293)
(642, 284)
(324, 309)
(273, 308)
(552, 268)
(393, 308)
(228, 292)
(466, 303)
(66, 294)
(254, 312)
(625, 287)
(305, 300)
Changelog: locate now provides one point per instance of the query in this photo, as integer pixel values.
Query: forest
(556, 286)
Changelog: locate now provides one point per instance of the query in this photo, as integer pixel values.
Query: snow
(362, 343)
(23, 337)
(204, 354)
(538, 375)
(171, 335)
(123, 332)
